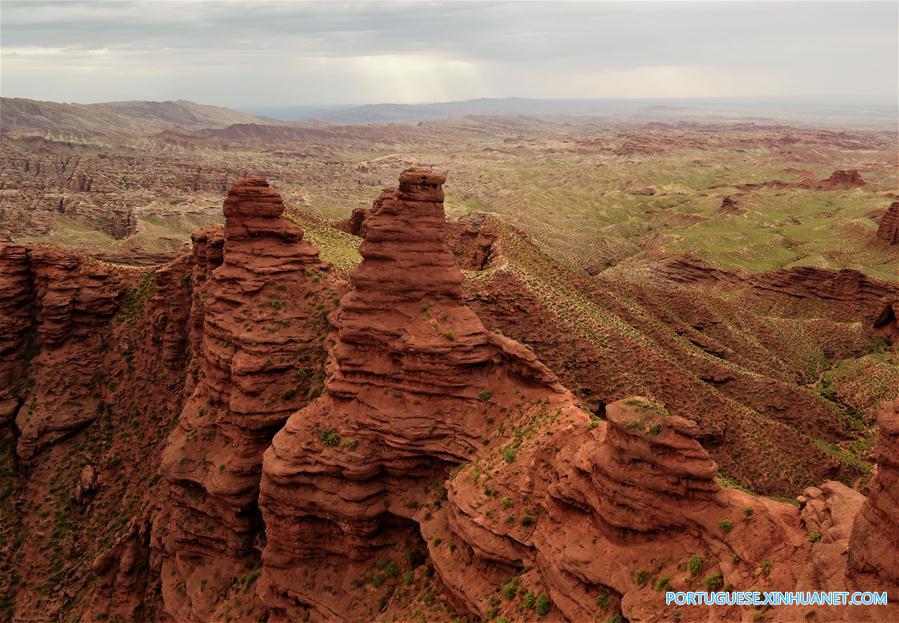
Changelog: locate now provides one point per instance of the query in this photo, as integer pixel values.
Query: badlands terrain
(560, 366)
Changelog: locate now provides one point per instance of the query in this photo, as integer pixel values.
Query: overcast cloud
(251, 54)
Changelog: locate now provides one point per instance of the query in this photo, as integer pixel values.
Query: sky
(254, 54)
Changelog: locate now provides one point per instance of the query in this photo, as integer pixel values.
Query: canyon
(402, 416)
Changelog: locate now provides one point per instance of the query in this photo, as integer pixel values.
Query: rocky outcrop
(842, 179)
(474, 241)
(258, 318)
(874, 547)
(637, 489)
(729, 205)
(16, 294)
(73, 299)
(844, 294)
(416, 385)
(889, 224)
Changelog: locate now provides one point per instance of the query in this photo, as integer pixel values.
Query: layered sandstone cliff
(554, 512)
(417, 384)
(874, 548)
(889, 224)
(256, 332)
(55, 305)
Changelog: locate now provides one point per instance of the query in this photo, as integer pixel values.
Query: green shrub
(814, 537)
(602, 600)
(506, 502)
(329, 437)
(726, 525)
(543, 604)
(510, 588)
(529, 600)
(714, 581)
(640, 576)
(695, 564)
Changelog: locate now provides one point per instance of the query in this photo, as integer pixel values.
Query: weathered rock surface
(842, 179)
(729, 205)
(842, 294)
(474, 241)
(16, 294)
(67, 300)
(256, 330)
(889, 224)
(416, 384)
(874, 548)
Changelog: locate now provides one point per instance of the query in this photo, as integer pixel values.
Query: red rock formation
(848, 294)
(889, 224)
(356, 223)
(581, 505)
(257, 325)
(625, 508)
(729, 205)
(874, 547)
(73, 298)
(16, 293)
(417, 383)
(474, 241)
(842, 179)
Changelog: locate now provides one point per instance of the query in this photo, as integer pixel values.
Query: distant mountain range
(641, 110)
(144, 118)
(116, 118)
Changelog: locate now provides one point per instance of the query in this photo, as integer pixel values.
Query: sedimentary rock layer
(417, 383)
(889, 224)
(256, 330)
(58, 303)
(874, 548)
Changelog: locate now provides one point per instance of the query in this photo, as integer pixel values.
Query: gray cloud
(287, 53)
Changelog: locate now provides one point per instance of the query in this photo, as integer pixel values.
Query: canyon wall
(258, 322)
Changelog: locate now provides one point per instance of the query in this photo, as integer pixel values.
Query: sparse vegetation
(695, 564)
(714, 581)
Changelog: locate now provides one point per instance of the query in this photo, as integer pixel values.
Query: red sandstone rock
(256, 331)
(16, 293)
(416, 387)
(73, 298)
(842, 179)
(474, 241)
(849, 293)
(889, 224)
(416, 384)
(874, 547)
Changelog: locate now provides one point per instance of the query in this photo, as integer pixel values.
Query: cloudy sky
(252, 54)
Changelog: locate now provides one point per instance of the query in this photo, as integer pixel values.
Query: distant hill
(115, 118)
(517, 106)
(639, 110)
